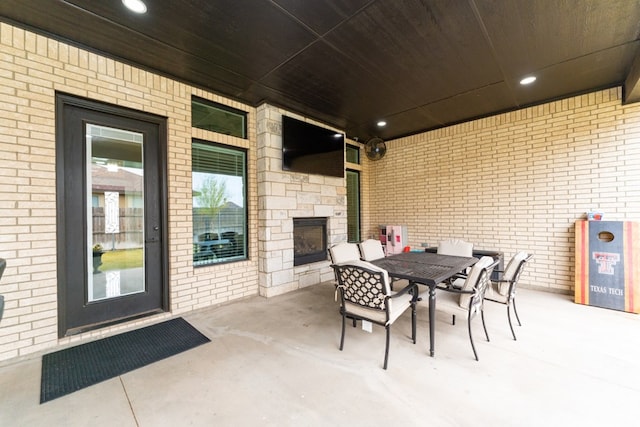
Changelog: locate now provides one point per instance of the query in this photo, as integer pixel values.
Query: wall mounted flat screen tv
(311, 149)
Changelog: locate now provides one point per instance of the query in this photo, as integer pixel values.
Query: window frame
(357, 174)
(352, 148)
(221, 107)
(245, 209)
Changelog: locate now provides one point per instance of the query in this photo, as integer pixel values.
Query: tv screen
(311, 149)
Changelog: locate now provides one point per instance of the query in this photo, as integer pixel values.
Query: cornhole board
(608, 264)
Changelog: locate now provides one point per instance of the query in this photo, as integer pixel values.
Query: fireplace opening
(309, 240)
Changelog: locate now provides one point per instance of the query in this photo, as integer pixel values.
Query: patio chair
(503, 291)
(468, 300)
(456, 247)
(365, 294)
(341, 253)
(371, 250)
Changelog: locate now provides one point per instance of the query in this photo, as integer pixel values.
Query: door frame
(63, 101)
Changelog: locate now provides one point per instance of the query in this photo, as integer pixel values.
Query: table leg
(432, 319)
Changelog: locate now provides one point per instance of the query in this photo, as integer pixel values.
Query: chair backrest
(455, 247)
(512, 273)
(477, 281)
(371, 250)
(363, 284)
(344, 252)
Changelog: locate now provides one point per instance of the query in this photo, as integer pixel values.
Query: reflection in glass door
(115, 213)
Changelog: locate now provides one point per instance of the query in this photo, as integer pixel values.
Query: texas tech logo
(606, 261)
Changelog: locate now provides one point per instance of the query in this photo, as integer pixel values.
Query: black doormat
(75, 368)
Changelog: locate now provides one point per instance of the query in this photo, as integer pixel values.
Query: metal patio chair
(365, 294)
(503, 291)
(468, 300)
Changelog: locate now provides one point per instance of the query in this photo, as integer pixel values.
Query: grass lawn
(121, 259)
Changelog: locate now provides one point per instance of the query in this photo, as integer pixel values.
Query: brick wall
(515, 181)
(32, 69)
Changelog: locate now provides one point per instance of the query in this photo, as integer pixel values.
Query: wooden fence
(130, 235)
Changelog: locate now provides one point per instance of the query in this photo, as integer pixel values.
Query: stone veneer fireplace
(283, 196)
(309, 240)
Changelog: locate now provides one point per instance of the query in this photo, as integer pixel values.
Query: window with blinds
(219, 203)
(353, 206)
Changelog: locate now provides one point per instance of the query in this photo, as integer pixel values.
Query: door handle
(153, 239)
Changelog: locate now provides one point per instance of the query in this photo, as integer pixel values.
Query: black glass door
(111, 215)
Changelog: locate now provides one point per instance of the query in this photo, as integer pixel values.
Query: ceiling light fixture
(382, 123)
(528, 80)
(136, 6)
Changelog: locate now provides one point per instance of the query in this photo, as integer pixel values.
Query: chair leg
(516, 311)
(484, 325)
(473, 347)
(386, 350)
(413, 323)
(510, 324)
(350, 317)
(344, 320)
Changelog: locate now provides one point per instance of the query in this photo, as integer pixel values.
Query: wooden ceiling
(418, 64)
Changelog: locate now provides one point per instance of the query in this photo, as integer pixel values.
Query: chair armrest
(404, 290)
(449, 283)
(457, 290)
(448, 286)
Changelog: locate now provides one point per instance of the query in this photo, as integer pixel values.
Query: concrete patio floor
(275, 362)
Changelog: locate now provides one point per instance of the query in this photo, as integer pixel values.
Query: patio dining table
(425, 268)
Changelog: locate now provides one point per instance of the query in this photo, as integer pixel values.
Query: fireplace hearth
(309, 240)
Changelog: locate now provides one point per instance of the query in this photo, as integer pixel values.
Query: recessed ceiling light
(528, 80)
(382, 123)
(136, 6)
